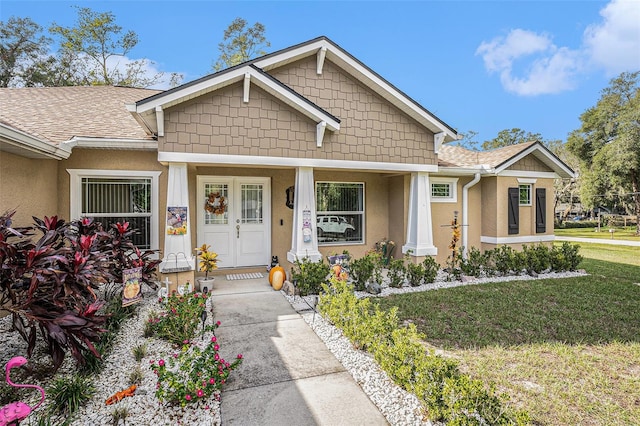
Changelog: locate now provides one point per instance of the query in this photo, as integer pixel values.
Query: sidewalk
(599, 241)
(288, 376)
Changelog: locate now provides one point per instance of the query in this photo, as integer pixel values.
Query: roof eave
(543, 154)
(23, 144)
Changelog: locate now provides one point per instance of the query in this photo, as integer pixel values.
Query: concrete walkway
(288, 376)
(599, 241)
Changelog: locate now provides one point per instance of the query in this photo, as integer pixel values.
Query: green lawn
(628, 233)
(566, 350)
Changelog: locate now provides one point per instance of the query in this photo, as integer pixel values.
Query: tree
(467, 140)
(92, 48)
(508, 137)
(608, 146)
(240, 43)
(22, 50)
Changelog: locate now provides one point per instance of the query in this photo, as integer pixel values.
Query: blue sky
(478, 65)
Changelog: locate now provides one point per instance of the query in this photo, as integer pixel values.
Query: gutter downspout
(465, 213)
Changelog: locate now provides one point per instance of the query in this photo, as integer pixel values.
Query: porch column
(304, 238)
(420, 227)
(178, 254)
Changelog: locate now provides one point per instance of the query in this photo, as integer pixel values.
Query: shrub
(397, 273)
(49, 277)
(363, 269)
(577, 224)
(565, 257)
(70, 393)
(474, 263)
(447, 394)
(181, 318)
(537, 258)
(415, 273)
(430, 269)
(363, 324)
(192, 373)
(504, 258)
(309, 275)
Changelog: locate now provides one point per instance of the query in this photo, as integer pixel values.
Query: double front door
(234, 219)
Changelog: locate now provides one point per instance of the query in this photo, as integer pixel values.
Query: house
(302, 152)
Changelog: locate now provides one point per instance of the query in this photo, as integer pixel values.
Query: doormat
(250, 276)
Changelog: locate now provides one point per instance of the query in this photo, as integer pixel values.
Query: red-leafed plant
(49, 283)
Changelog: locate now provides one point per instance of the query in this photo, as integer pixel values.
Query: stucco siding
(491, 207)
(371, 128)
(29, 186)
(398, 210)
(112, 160)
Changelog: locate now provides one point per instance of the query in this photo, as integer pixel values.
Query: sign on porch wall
(177, 220)
(306, 226)
(132, 290)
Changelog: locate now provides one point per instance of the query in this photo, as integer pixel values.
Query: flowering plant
(180, 319)
(208, 259)
(193, 373)
(454, 258)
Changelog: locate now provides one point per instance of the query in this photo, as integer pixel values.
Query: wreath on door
(216, 203)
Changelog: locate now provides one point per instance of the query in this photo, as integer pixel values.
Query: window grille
(340, 212)
(525, 194)
(111, 200)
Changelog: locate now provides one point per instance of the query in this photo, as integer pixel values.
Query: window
(444, 190)
(340, 212)
(110, 196)
(525, 194)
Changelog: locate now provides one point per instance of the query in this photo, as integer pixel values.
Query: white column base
(419, 251)
(420, 227)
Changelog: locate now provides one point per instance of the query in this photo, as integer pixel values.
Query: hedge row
(447, 394)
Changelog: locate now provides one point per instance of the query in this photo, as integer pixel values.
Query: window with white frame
(444, 190)
(110, 196)
(525, 194)
(340, 212)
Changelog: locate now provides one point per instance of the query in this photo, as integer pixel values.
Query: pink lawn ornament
(15, 412)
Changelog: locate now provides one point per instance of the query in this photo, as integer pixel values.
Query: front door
(234, 219)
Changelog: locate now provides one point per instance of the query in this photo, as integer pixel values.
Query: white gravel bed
(400, 407)
(143, 407)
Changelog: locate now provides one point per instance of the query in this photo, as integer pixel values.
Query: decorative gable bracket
(247, 85)
(160, 120)
(322, 53)
(320, 128)
(438, 140)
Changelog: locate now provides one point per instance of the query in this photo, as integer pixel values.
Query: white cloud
(551, 69)
(614, 44)
(147, 68)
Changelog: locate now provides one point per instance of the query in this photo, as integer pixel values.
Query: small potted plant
(207, 263)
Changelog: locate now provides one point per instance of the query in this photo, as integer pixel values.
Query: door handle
(237, 231)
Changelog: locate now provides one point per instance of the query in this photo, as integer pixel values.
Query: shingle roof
(57, 114)
(457, 156)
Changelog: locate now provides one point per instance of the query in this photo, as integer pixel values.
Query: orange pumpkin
(273, 270)
(278, 276)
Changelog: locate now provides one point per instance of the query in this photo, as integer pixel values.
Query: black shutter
(541, 210)
(514, 210)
